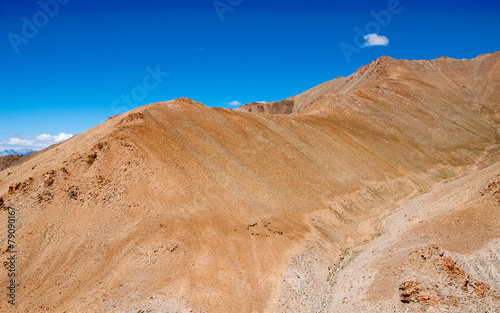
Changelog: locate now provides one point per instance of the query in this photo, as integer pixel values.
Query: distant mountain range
(20, 152)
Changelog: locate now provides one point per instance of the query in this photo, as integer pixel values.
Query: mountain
(376, 192)
(9, 160)
(23, 151)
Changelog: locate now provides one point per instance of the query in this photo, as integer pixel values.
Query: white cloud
(260, 102)
(36, 143)
(234, 103)
(53, 139)
(375, 40)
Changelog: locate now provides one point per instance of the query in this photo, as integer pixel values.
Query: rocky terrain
(377, 192)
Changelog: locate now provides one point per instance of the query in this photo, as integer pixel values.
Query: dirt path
(433, 245)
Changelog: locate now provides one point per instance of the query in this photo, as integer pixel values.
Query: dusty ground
(175, 206)
(440, 254)
(9, 160)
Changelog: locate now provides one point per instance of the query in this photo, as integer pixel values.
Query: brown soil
(9, 161)
(175, 206)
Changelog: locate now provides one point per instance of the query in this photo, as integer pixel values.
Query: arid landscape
(376, 192)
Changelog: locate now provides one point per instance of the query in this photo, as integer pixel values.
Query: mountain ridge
(175, 206)
(372, 71)
(23, 151)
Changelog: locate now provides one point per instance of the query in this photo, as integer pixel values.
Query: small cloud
(375, 40)
(260, 102)
(234, 103)
(53, 139)
(36, 143)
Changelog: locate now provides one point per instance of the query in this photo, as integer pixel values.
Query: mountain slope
(9, 160)
(440, 253)
(176, 206)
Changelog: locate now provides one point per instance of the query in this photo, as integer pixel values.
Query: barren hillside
(9, 160)
(175, 206)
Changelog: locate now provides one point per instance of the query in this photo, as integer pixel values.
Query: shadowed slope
(9, 160)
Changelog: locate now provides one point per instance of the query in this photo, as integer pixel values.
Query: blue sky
(67, 65)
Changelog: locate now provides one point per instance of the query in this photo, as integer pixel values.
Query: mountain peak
(385, 71)
(21, 151)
